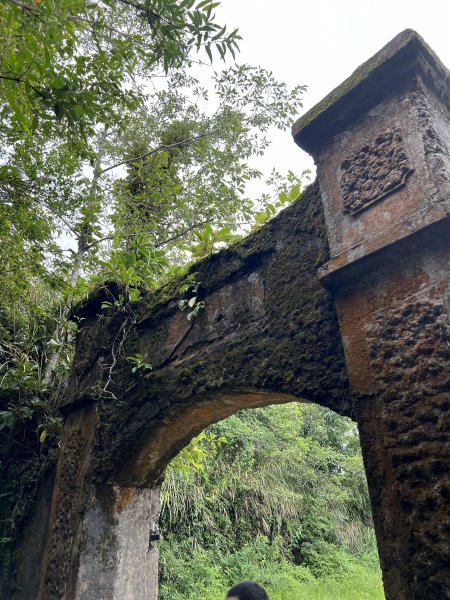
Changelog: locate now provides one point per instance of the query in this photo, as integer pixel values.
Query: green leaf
(295, 192)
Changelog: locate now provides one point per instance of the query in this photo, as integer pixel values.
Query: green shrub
(189, 573)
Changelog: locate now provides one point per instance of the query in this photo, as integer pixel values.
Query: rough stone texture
(433, 121)
(371, 83)
(386, 210)
(118, 553)
(397, 339)
(395, 205)
(268, 333)
(403, 89)
(68, 504)
(31, 544)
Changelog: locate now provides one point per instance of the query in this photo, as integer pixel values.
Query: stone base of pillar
(118, 553)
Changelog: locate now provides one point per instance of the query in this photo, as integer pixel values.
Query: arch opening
(178, 425)
(282, 506)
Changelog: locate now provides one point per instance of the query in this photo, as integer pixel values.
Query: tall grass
(190, 574)
(361, 583)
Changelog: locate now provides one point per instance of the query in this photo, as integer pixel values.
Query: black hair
(248, 590)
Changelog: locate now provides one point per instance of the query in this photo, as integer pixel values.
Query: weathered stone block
(383, 162)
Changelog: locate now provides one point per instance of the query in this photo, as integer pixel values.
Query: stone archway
(373, 232)
(268, 333)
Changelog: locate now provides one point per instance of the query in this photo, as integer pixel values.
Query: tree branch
(174, 237)
(147, 11)
(23, 81)
(30, 7)
(16, 79)
(37, 11)
(161, 147)
(113, 29)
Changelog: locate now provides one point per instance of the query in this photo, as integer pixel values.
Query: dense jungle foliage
(277, 495)
(116, 163)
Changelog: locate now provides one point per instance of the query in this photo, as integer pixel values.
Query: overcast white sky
(320, 43)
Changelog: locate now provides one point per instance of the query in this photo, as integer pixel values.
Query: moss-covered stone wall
(268, 333)
(268, 327)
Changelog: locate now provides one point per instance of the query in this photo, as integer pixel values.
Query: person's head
(247, 590)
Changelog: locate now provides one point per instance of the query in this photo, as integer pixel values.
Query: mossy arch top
(375, 347)
(268, 333)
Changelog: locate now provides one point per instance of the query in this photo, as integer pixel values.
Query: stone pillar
(102, 537)
(381, 142)
(119, 558)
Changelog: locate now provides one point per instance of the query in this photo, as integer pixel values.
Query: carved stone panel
(373, 171)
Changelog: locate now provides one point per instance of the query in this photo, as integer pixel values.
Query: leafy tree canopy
(79, 62)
